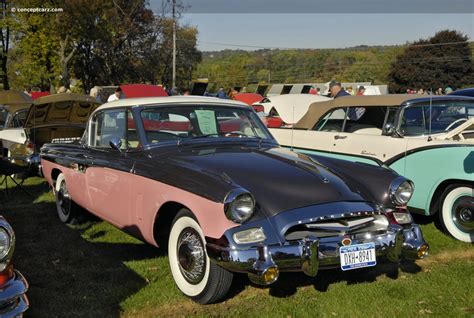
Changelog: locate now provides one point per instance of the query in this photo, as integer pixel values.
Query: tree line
(92, 42)
(440, 61)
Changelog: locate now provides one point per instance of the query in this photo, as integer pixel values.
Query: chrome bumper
(13, 300)
(312, 253)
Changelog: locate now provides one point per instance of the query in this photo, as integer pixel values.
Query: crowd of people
(422, 91)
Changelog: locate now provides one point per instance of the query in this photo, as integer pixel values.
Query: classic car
(14, 107)
(428, 140)
(13, 286)
(179, 172)
(464, 92)
(59, 117)
(285, 110)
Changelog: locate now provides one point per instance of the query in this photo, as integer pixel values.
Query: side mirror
(116, 143)
(388, 130)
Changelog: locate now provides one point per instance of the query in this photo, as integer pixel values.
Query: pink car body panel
(132, 202)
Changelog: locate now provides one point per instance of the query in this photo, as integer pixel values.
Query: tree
(5, 42)
(441, 61)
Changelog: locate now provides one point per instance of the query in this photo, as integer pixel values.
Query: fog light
(271, 275)
(402, 218)
(423, 251)
(253, 235)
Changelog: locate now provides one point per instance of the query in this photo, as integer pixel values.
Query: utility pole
(174, 46)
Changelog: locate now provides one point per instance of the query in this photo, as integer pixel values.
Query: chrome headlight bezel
(398, 186)
(231, 205)
(5, 243)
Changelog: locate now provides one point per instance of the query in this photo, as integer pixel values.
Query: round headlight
(5, 243)
(401, 191)
(239, 205)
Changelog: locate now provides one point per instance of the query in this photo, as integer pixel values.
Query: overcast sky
(265, 23)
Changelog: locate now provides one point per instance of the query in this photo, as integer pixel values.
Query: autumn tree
(440, 61)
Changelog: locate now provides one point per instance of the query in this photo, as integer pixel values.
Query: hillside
(239, 68)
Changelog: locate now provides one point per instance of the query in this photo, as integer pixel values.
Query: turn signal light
(271, 275)
(423, 251)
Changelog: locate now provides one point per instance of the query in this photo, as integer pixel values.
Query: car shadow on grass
(288, 283)
(68, 275)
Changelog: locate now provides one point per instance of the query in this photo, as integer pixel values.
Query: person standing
(221, 93)
(360, 91)
(115, 96)
(335, 90)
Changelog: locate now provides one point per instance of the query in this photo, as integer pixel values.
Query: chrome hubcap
(463, 214)
(64, 199)
(191, 255)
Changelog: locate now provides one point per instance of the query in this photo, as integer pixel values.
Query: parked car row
(207, 180)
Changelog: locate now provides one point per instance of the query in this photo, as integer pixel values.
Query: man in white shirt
(115, 96)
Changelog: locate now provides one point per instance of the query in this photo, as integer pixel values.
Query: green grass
(95, 270)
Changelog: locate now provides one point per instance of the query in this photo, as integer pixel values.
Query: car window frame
(11, 118)
(86, 139)
(331, 111)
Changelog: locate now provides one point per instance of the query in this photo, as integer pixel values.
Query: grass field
(94, 270)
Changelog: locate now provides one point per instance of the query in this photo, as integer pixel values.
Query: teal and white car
(428, 140)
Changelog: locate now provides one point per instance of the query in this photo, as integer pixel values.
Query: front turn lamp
(253, 235)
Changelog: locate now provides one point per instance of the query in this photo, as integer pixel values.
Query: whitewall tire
(194, 274)
(457, 212)
(66, 208)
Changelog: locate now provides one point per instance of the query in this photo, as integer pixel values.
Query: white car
(14, 106)
(288, 108)
(428, 140)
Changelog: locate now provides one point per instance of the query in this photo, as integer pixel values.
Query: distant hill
(361, 63)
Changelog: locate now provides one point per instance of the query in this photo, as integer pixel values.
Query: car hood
(279, 179)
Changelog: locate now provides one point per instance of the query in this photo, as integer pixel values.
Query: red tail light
(274, 122)
(29, 144)
(6, 274)
(258, 108)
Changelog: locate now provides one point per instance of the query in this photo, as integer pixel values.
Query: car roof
(151, 101)
(316, 110)
(13, 97)
(62, 97)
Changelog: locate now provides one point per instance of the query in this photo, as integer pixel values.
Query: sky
(268, 25)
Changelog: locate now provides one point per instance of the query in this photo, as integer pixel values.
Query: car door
(109, 177)
(363, 133)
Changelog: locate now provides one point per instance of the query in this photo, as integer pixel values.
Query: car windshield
(442, 116)
(192, 122)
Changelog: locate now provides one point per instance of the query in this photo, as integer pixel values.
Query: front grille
(65, 140)
(339, 226)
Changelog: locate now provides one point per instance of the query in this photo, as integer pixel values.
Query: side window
(333, 121)
(391, 116)
(365, 120)
(18, 119)
(413, 121)
(114, 123)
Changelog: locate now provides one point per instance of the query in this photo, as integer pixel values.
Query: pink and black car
(204, 178)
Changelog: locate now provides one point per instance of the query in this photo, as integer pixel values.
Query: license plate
(357, 256)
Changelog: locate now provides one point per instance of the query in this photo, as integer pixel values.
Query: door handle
(339, 137)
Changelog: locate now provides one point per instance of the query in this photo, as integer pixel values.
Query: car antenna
(431, 105)
(292, 128)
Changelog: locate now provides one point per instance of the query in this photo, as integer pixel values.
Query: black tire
(456, 213)
(196, 276)
(68, 211)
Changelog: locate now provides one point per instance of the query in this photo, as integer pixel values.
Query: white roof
(291, 107)
(171, 100)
